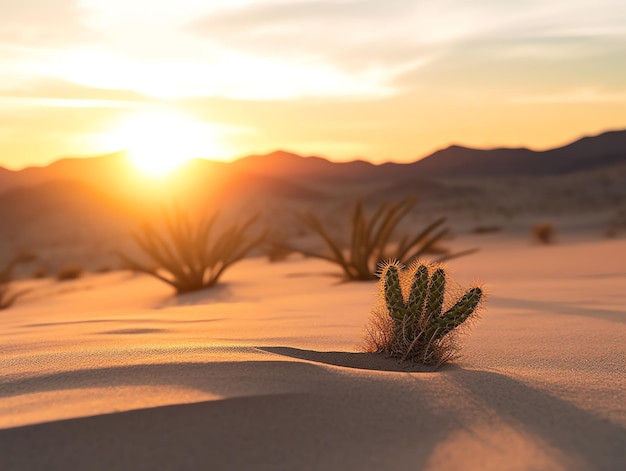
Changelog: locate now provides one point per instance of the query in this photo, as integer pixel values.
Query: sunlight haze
(378, 80)
(159, 140)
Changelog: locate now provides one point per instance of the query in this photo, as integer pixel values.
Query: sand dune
(112, 372)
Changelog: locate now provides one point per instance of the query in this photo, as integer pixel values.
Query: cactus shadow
(287, 415)
(220, 293)
(598, 443)
(360, 361)
(612, 315)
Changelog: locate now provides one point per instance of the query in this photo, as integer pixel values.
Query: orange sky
(381, 80)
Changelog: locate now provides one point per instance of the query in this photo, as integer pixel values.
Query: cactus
(415, 326)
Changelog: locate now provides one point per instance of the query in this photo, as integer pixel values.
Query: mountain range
(76, 205)
(288, 174)
(454, 161)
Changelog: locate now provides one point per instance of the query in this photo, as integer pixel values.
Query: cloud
(61, 89)
(56, 93)
(410, 40)
(542, 66)
(349, 34)
(41, 21)
(576, 96)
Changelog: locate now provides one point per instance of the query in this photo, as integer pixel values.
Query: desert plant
(8, 296)
(486, 229)
(276, 246)
(186, 256)
(6, 273)
(409, 321)
(69, 271)
(543, 233)
(371, 240)
(40, 272)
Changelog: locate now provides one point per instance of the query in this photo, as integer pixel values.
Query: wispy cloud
(41, 21)
(410, 41)
(580, 96)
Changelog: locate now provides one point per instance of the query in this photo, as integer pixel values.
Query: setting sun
(158, 141)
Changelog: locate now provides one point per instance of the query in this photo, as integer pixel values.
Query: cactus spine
(420, 324)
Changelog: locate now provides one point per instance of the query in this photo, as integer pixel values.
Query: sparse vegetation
(371, 240)
(186, 255)
(7, 295)
(70, 271)
(409, 321)
(543, 233)
(7, 298)
(6, 274)
(486, 229)
(277, 247)
(616, 224)
(40, 272)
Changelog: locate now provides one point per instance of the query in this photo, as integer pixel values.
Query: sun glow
(159, 141)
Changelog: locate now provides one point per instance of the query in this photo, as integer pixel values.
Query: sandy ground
(113, 372)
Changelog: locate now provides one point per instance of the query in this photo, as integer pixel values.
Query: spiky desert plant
(371, 240)
(543, 233)
(7, 295)
(6, 273)
(410, 322)
(70, 271)
(186, 254)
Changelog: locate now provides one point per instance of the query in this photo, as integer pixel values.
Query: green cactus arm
(436, 290)
(460, 312)
(393, 294)
(419, 290)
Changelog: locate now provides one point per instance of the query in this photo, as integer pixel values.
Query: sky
(381, 80)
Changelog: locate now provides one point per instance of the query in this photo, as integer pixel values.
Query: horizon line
(329, 159)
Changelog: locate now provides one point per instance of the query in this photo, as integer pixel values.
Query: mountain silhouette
(584, 154)
(290, 175)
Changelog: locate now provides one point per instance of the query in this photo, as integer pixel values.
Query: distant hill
(88, 170)
(113, 175)
(293, 166)
(584, 154)
(284, 176)
(289, 173)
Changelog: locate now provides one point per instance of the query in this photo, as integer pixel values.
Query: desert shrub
(69, 271)
(186, 255)
(276, 247)
(616, 224)
(7, 295)
(6, 273)
(486, 229)
(371, 240)
(411, 322)
(40, 272)
(543, 233)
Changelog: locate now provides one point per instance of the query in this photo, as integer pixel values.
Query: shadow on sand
(361, 361)
(612, 315)
(297, 415)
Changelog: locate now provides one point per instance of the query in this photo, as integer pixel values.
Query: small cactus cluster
(411, 323)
